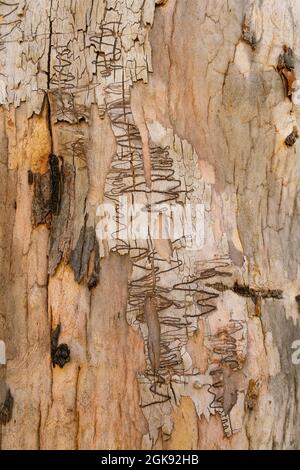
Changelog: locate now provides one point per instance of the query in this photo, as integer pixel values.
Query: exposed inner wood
(151, 102)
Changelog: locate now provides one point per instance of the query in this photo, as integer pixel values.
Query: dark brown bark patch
(62, 223)
(42, 198)
(60, 353)
(81, 254)
(6, 408)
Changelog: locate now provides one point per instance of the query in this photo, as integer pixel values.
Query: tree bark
(149, 345)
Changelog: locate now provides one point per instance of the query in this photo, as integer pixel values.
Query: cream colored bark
(166, 100)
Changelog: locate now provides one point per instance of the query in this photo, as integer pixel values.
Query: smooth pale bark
(171, 100)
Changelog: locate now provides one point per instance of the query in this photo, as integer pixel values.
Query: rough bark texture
(166, 100)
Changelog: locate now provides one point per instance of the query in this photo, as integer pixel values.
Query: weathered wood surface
(184, 100)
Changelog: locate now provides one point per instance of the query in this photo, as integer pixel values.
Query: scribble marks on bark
(153, 324)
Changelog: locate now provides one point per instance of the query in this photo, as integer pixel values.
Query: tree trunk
(149, 343)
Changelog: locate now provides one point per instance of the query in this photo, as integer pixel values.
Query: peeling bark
(189, 102)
